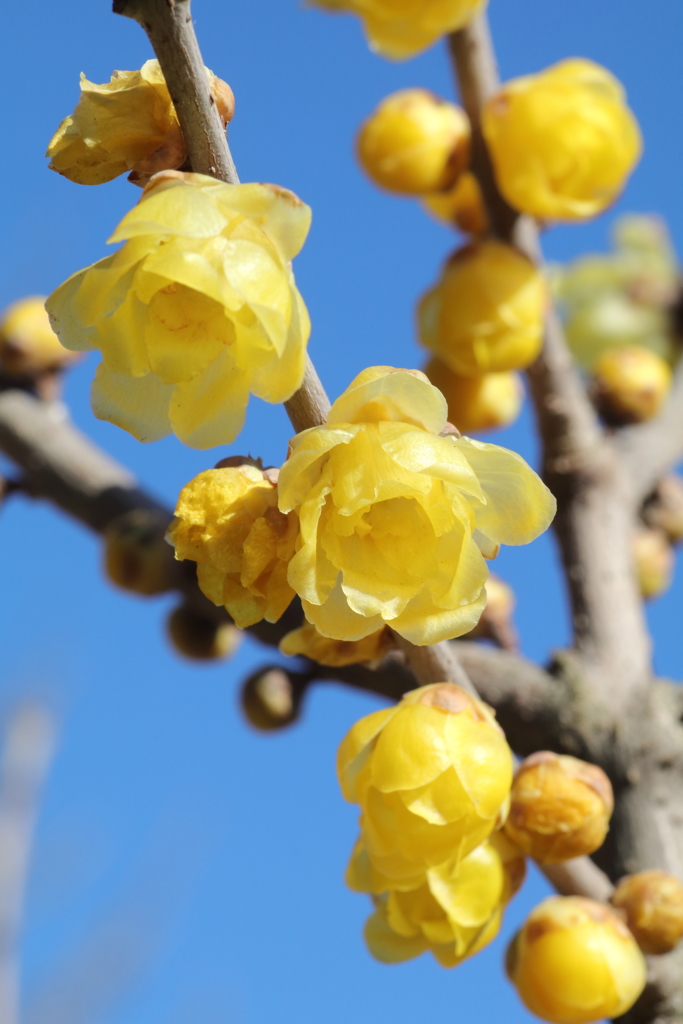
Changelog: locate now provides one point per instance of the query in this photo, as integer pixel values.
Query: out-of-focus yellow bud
(28, 345)
(136, 556)
(496, 620)
(652, 902)
(269, 700)
(228, 522)
(394, 517)
(127, 124)
(630, 384)
(574, 961)
(461, 206)
(486, 313)
(478, 403)
(309, 643)
(201, 638)
(414, 142)
(654, 562)
(563, 142)
(560, 807)
(431, 776)
(664, 508)
(399, 29)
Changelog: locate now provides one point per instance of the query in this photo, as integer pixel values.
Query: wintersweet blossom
(396, 518)
(195, 311)
(127, 124)
(307, 642)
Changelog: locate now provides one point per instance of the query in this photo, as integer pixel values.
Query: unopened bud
(575, 961)
(28, 345)
(487, 402)
(199, 637)
(269, 700)
(630, 384)
(560, 807)
(460, 206)
(137, 558)
(654, 562)
(652, 902)
(414, 142)
(664, 508)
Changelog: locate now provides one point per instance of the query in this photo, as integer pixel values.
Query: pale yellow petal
(209, 410)
(136, 404)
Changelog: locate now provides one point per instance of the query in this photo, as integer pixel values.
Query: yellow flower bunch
(486, 313)
(563, 142)
(127, 124)
(399, 29)
(432, 776)
(309, 643)
(195, 311)
(228, 522)
(395, 518)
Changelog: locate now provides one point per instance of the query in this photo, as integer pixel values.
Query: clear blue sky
(187, 869)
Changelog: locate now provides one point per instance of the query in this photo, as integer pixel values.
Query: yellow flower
(196, 310)
(563, 142)
(652, 902)
(414, 142)
(432, 776)
(227, 520)
(309, 643)
(486, 313)
(631, 384)
(478, 403)
(399, 29)
(27, 342)
(575, 961)
(127, 124)
(461, 206)
(654, 562)
(394, 517)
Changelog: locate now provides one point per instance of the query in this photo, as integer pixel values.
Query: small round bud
(414, 142)
(652, 902)
(201, 638)
(136, 556)
(560, 807)
(664, 508)
(461, 206)
(575, 961)
(654, 562)
(269, 700)
(630, 384)
(28, 345)
(478, 403)
(496, 620)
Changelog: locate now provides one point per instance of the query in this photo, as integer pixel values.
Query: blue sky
(185, 867)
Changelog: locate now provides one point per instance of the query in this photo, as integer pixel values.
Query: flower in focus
(563, 142)
(432, 777)
(127, 124)
(462, 205)
(394, 517)
(652, 902)
(195, 311)
(486, 313)
(575, 961)
(399, 29)
(630, 384)
(309, 643)
(560, 807)
(488, 402)
(28, 345)
(414, 142)
(228, 522)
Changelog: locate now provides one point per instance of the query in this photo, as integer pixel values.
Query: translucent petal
(281, 214)
(65, 318)
(210, 409)
(388, 947)
(355, 748)
(136, 404)
(184, 332)
(423, 623)
(180, 210)
(399, 395)
(411, 750)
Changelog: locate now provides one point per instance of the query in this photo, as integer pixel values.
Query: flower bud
(486, 313)
(496, 620)
(136, 556)
(574, 961)
(562, 142)
(307, 642)
(654, 562)
(663, 510)
(652, 902)
(478, 403)
(461, 206)
(269, 700)
(28, 345)
(199, 637)
(414, 142)
(630, 384)
(560, 807)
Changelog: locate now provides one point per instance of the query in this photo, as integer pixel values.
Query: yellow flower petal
(137, 404)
